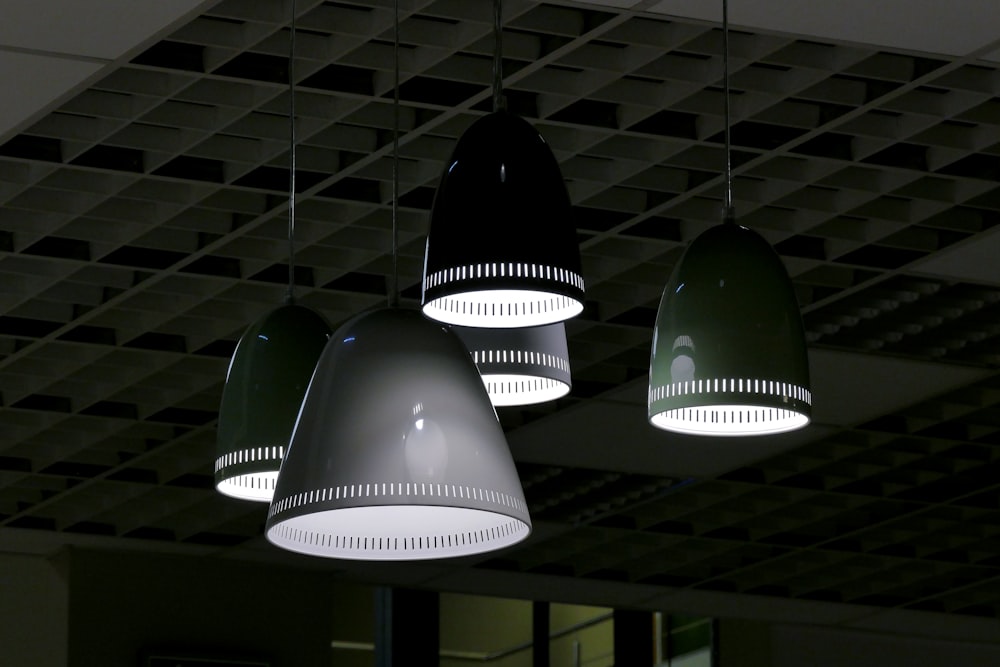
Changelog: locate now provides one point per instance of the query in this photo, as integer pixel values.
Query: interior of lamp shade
(723, 420)
(506, 389)
(255, 486)
(502, 308)
(729, 406)
(249, 474)
(397, 532)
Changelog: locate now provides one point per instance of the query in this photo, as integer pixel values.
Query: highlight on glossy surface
(397, 454)
(265, 384)
(521, 366)
(729, 355)
(502, 249)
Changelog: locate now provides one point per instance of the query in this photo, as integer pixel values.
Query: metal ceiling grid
(143, 224)
(903, 512)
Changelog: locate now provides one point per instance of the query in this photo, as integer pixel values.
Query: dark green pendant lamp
(397, 453)
(729, 354)
(269, 372)
(502, 248)
(267, 379)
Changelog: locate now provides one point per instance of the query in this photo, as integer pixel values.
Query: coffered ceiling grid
(902, 512)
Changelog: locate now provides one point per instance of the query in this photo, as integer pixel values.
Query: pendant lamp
(267, 379)
(729, 353)
(397, 453)
(502, 248)
(521, 366)
(269, 372)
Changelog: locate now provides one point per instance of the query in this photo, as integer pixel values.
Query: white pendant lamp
(269, 371)
(397, 453)
(729, 353)
(502, 249)
(521, 366)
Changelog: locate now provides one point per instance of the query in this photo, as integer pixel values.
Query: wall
(756, 644)
(90, 608)
(478, 626)
(745, 643)
(33, 611)
(123, 604)
(823, 647)
(592, 645)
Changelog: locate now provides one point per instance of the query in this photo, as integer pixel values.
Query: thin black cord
(290, 295)
(728, 212)
(394, 285)
(498, 101)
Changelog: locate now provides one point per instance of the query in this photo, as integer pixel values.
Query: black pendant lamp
(397, 453)
(269, 372)
(729, 353)
(502, 249)
(521, 366)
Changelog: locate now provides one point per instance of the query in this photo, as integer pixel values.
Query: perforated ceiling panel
(142, 227)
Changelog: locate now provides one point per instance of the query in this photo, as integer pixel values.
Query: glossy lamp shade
(502, 248)
(729, 353)
(267, 379)
(521, 366)
(397, 453)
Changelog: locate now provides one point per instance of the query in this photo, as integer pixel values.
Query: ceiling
(143, 207)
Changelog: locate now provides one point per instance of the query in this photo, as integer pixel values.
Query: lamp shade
(502, 248)
(521, 366)
(729, 353)
(397, 453)
(267, 378)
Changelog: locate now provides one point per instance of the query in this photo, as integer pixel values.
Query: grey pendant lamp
(397, 453)
(269, 371)
(729, 354)
(502, 249)
(521, 366)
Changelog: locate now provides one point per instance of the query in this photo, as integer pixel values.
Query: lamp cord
(728, 212)
(498, 101)
(394, 281)
(290, 294)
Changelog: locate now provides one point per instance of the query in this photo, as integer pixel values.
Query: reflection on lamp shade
(729, 353)
(267, 378)
(397, 453)
(502, 248)
(521, 366)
